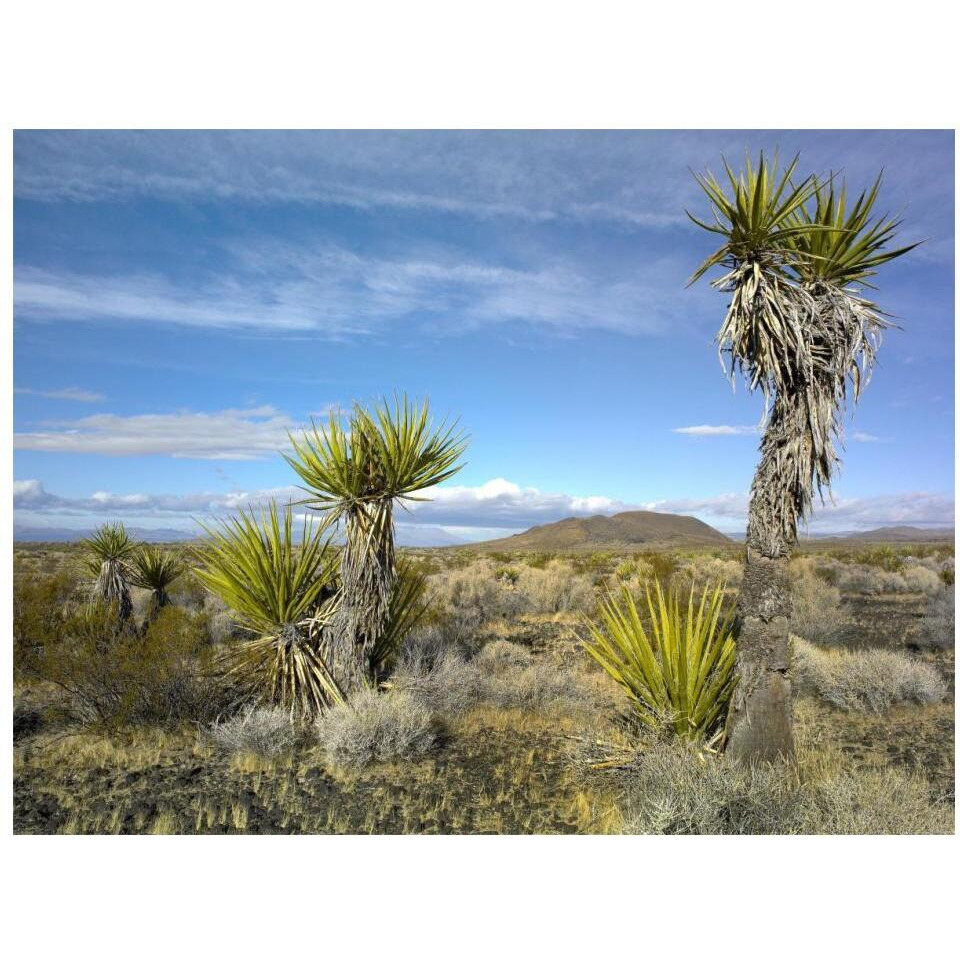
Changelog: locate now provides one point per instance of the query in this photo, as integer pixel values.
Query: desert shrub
(556, 588)
(920, 579)
(40, 607)
(662, 565)
(947, 571)
(503, 675)
(189, 592)
(111, 676)
(625, 571)
(372, 726)
(264, 731)
(816, 611)
(472, 596)
(882, 556)
(672, 789)
(541, 685)
(680, 676)
(449, 685)
(503, 653)
(700, 570)
(870, 580)
(938, 626)
(865, 680)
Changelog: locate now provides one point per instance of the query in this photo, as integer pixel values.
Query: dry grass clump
(817, 614)
(672, 789)
(865, 680)
(264, 731)
(372, 726)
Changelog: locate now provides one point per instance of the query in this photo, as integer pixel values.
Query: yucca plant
(155, 569)
(109, 552)
(679, 671)
(355, 472)
(408, 605)
(798, 330)
(281, 591)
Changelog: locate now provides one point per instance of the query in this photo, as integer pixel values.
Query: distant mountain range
(899, 535)
(623, 531)
(67, 535)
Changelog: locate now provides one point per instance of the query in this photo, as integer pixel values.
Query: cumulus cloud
(252, 434)
(66, 393)
(464, 513)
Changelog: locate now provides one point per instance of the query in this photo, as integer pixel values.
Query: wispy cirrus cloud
(332, 291)
(859, 436)
(65, 393)
(717, 430)
(252, 434)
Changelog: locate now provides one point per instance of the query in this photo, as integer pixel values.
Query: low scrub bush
(110, 675)
(557, 588)
(856, 578)
(865, 680)
(920, 579)
(504, 675)
(371, 726)
(938, 628)
(672, 789)
(700, 570)
(264, 731)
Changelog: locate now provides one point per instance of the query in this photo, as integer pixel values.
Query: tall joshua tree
(109, 552)
(798, 329)
(356, 473)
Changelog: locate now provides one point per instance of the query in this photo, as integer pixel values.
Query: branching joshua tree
(280, 589)
(109, 552)
(356, 473)
(155, 569)
(798, 328)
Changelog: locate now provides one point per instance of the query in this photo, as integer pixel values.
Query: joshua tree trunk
(111, 587)
(367, 573)
(760, 720)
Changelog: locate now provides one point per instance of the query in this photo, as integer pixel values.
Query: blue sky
(183, 299)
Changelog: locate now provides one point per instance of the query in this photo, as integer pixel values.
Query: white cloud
(463, 513)
(66, 393)
(729, 511)
(334, 292)
(861, 437)
(719, 430)
(252, 434)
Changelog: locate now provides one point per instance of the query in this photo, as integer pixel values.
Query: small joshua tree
(109, 552)
(155, 569)
(279, 589)
(356, 473)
